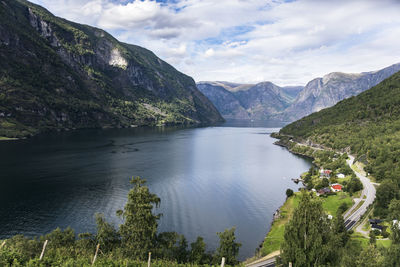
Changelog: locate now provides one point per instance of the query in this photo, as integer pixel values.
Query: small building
(336, 187)
(324, 191)
(377, 227)
(340, 175)
(324, 173)
(375, 221)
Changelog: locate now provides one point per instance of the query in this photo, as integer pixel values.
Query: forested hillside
(56, 74)
(367, 125)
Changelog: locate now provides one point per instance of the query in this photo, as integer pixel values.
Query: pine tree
(308, 235)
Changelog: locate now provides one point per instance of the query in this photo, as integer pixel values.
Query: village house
(324, 173)
(340, 175)
(323, 191)
(375, 224)
(336, 187)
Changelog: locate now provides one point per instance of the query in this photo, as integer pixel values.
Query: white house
(340, 175)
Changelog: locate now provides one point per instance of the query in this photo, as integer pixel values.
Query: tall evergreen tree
(308, 235)
(228, 247)
(138, 232)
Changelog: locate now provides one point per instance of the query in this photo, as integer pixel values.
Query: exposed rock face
(225, 101)
(266, 100)
(325, 92)
(248, 101)
(56, 74)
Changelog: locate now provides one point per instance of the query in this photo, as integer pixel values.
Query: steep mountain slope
(224, 100)
(324, 92)
(247, 101)
(56, 74)
(369, 126)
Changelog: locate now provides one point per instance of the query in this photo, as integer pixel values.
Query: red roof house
(336, 187)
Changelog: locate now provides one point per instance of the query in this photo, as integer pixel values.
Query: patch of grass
(364, 241)
(357, 237)
(384, 243)
(275, 236)
(366, 226)
(332, 203)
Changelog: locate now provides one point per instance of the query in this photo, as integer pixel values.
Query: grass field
(332, 203)
(275, 237)
(357, 237)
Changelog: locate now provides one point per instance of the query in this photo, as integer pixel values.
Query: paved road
(265, 263)
(352, 216)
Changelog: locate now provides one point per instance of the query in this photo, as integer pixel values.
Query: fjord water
(208, 179)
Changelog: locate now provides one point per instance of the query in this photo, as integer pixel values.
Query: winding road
(351, 217)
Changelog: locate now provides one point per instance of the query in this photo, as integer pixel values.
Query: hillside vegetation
(56, 74)
(367, 125)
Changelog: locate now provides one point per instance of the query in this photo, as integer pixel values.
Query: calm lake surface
(208, 179)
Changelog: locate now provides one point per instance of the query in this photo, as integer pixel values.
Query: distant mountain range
(249, 101)
(266, 101)
(56, 74)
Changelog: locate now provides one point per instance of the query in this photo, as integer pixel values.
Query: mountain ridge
(248, 101)
(294, 102)
(56, 74)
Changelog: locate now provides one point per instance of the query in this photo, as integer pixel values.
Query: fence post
(44, 248)
(149, 261)
(2, 244)
(95, 254)
(223, 262)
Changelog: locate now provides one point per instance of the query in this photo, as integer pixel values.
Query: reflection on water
(208, 179)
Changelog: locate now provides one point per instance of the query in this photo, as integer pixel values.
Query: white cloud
(253, 40)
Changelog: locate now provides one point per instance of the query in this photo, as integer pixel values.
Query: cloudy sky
(247, 41)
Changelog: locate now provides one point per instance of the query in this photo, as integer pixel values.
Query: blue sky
(286, 42)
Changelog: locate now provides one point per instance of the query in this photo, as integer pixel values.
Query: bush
(289, 192)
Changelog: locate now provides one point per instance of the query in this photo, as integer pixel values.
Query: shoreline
(286, 209)
(62, 130)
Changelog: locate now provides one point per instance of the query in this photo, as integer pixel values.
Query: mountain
(56, 74)
(248, 101)
(367, 125)
(266, 100)
(325, 92)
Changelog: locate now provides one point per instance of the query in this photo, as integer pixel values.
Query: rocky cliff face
(56, 74)
(325, 92)
(267, 101)
(225, 101)
(247, 101)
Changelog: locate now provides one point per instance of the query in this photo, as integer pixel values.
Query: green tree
(106, 234)
(228, 247)
(139, 229)
(307, 237)
(289, 192)
(392, 256)
(370, 257)
(387, 191)
(198, 251)
(394, 209)
(372, 238)
(181, 252)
